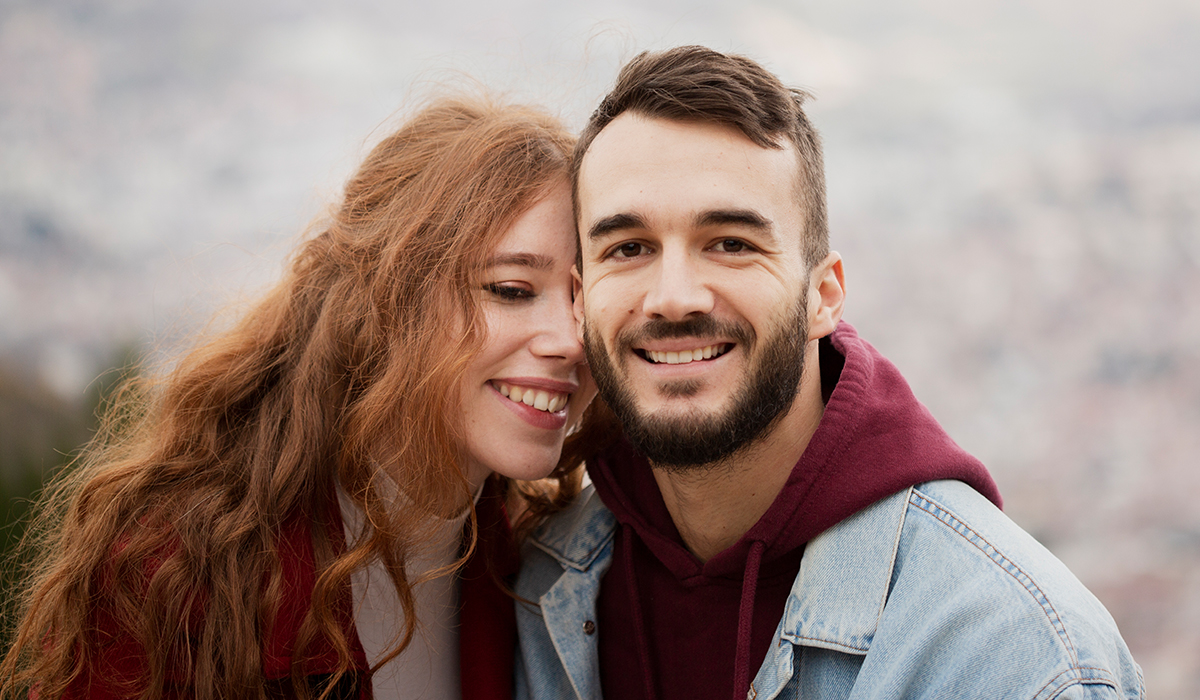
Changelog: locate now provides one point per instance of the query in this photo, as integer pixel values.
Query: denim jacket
(929, 593)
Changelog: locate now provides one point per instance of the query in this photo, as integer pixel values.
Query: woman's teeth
(549, 401)
(685, 356)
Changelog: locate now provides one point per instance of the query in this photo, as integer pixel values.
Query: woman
(292, 505)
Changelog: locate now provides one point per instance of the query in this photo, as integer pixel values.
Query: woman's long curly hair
(347, 370)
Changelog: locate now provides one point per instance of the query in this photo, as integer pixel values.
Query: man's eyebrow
(535, 260)
(735, 217)
(717, 217)
(616, 222)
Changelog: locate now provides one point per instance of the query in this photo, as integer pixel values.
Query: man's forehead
(636, 136)
(639, 159)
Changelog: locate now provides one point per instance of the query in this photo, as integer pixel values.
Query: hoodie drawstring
(639, 624)
(741, 664)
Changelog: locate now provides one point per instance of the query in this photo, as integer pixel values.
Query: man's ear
(826, 296)
(577, 299)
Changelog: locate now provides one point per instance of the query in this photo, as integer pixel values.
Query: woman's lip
(533, 416)
(540, 383)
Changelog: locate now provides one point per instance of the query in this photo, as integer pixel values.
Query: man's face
(694, 287)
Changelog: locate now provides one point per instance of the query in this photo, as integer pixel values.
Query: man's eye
(508, 292)
(731, 245)
(629, 250)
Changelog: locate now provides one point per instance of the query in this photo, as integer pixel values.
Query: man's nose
(677, 287)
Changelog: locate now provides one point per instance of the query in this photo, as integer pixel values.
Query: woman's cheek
(583, 396)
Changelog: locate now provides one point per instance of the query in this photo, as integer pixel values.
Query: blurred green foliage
(40, 433)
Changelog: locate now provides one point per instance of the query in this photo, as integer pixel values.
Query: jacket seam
(828, 643)
(946, 517)
(887, 589)
(579, 564)
(1076, 679)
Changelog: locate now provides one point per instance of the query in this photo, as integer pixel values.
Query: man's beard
(694, 439)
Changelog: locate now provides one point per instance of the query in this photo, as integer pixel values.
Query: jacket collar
(835, 603)
(850, 564)
(839, 594)
(838, 597)
(577, 535)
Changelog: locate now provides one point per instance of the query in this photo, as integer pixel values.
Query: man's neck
(713, 506)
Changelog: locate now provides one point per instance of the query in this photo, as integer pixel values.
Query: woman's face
(529, 381)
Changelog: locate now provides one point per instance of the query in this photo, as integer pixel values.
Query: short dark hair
(694, 83)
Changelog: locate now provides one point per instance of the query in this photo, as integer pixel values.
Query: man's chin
(679, 443)
(664, 405)
(686, 389)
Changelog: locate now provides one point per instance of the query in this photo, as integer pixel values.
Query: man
(782, 517)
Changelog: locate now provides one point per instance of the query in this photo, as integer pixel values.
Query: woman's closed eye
(509, 291)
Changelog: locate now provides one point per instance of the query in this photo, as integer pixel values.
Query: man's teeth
(549, 401)
(685, 356)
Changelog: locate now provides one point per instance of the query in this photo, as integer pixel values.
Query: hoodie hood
(874, 439)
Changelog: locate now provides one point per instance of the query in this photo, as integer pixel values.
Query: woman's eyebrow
(535, 260)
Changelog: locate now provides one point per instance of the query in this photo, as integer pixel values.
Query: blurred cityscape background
(1014, 185)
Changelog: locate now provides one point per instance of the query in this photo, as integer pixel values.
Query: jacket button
(589, 627)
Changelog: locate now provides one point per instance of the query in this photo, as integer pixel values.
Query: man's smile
(682, 357)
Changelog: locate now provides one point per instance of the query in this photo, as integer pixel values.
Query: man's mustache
(696, 326)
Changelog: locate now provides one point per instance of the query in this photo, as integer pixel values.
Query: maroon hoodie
(675, 627)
